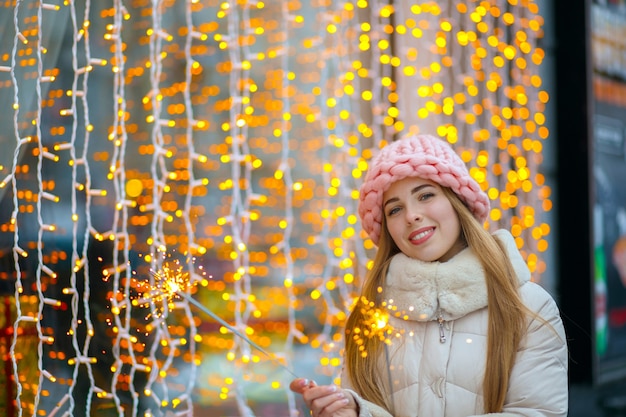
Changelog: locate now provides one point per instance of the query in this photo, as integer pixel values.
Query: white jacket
(432, 378)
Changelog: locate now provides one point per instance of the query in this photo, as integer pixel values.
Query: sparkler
(171, 283)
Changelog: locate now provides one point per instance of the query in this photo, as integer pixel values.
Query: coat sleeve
(538, 386)
(366, 408)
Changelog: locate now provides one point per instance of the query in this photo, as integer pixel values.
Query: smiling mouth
(421, 235)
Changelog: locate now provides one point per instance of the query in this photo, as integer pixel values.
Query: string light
(237, 133)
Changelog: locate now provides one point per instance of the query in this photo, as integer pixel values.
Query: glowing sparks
(375, 320)
(163, 286)
(169, 281)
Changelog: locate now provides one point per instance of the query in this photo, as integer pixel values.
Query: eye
(393, 211)
(425, 196)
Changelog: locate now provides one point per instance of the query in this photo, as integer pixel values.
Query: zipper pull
(442, 335)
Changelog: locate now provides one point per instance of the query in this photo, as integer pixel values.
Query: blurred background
(218, 146)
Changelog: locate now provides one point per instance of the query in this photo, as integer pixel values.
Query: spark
(170, 281)
(167, 283)
(375, 320)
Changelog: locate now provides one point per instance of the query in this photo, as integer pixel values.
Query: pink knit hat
(421, 156)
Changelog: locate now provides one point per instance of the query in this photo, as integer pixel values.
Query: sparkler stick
(236, 332)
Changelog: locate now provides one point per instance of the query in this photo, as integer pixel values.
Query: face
(421, 220)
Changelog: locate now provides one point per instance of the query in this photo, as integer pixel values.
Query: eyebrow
(413, 191)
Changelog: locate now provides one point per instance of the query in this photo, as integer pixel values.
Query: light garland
(234, 136)
(479, 86)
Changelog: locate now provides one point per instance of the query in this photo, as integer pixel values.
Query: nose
(413, 215)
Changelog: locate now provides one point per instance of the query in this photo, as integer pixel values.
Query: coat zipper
(442, 335)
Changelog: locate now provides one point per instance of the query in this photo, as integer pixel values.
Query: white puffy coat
(432, 378)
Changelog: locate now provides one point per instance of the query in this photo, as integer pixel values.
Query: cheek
(448, 216)
(455, 223)
(446, 211)
(395, 228)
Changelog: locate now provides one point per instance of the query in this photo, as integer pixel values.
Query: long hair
(506, 314)
(362, 353)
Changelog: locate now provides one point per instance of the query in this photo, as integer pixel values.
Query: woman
(469, 334)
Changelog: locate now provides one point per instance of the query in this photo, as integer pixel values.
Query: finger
(313, 391)
(321, 397)
(299, 385)
(339, 402)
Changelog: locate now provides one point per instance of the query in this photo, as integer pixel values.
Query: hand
(325, 400)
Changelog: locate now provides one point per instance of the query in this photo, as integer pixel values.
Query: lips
(421, 235)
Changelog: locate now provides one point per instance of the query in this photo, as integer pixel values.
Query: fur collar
(423, 290)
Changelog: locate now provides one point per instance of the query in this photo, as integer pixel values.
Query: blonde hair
(506, 314)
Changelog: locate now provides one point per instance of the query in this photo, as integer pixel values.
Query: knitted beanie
(421, 156)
